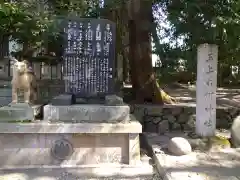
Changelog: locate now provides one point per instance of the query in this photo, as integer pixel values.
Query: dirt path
(187, 94)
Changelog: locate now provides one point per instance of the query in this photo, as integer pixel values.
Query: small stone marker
(206, 89)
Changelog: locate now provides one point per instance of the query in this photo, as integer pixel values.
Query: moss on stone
(219, 142)
(209, 143)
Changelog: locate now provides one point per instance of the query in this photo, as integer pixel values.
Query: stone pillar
(207, 55)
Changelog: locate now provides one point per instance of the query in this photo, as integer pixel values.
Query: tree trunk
(125, 66)
(144, 82)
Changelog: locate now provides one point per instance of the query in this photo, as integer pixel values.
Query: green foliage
(36, 24)
(191, 22)
(197, 22)
(23, 25)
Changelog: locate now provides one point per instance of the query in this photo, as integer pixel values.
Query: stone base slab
(143, 171)
(87, 113)
(30, 144)
(216, 165)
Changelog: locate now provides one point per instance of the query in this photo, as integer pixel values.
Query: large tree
(141, 28)
(196, 22)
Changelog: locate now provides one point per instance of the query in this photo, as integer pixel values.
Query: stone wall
(161, 119)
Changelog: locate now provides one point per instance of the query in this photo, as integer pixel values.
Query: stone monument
(87, 127)
(89, 100)
(89, 69)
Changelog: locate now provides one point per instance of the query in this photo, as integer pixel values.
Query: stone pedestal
(70, 136)
(20, 112)
(68, 144)
(87, 113)
(16, 112)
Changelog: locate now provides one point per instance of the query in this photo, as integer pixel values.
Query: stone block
(5, 92)
(37, 149)
(16, 112)
(163, 127)
(63, 100)
(87, 113)
(5, 101)
(113, 100)
(81, 101)
(89, 100)
(134, 149)
(150, 110)
(63, 144)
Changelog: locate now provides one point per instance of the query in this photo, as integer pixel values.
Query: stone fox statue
(24, 80)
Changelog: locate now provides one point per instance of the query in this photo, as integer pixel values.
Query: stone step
(142, 171)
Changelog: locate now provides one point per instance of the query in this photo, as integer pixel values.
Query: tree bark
(144, 82)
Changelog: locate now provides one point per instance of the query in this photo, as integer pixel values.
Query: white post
(207, 56)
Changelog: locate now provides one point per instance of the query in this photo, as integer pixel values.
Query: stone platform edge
(161, 170)
(56, 128)
(120, 171)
